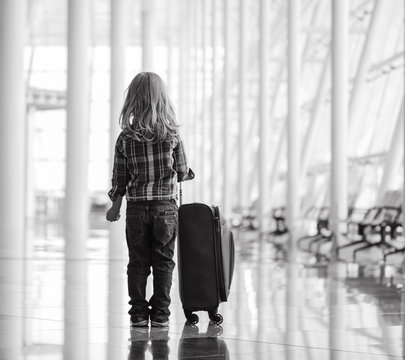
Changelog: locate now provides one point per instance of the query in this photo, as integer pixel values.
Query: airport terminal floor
(77, 309)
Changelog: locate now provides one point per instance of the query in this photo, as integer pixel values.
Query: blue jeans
(151, 229)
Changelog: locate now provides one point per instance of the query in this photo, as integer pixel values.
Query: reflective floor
(52, 309)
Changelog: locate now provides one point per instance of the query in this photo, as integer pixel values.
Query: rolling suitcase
(206, 255)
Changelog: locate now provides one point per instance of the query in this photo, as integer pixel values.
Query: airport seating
(311, 243)
(375, 227)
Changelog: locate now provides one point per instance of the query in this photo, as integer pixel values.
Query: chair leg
(314, 241)
(338, 248)
(363, 248)
(392, 252)
(302, 239)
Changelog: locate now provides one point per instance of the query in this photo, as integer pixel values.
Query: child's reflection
(202, 345)
(156, 341)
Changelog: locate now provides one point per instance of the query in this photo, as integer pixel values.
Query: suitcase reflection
(205, 345)
(192, 343)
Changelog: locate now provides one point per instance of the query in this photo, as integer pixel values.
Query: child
(149, 161)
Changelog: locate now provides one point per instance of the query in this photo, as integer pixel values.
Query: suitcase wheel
(217, 319)
(192, 318)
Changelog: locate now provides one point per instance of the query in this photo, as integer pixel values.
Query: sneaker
(140, 323)
(159, 323)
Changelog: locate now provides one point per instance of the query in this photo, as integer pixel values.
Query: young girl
(149, 161)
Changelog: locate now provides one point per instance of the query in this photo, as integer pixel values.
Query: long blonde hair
(147, 113)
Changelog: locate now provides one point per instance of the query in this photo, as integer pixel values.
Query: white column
(76, 311)
(393, 157)
(184, 87)
(117, 345)
(29, 166)
(195, 129)
(242, 165)
(337, 303)
(12, 128)
(203, 116)
(403, 301)
(225, 168)
(148, 34)
(339, 117)
(169, 42)
(293, 123)
(77, 129)
(117, 244)
(278, 156)
(213, 126)
(371, 44)
(183, 61)
(312, 133)
(12, 304)
(264, 114)
(118, 42)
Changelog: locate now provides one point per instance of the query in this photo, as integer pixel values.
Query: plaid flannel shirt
(146, 171)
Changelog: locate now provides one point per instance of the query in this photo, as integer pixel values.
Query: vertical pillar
(148, 34)
(393, 158)
(117, 243)
(12, 305)
(213, 127)
(184, 83)
(278, 156)
(181, 115)
(77, 129)
(226, 206)
(242, 105)
(403, 301)
(169, 39)
(370, 44)
(76, 334)
(196, 127)
(293, 305)
(29, 166)
(339, 117)
(117, 91)
(293, 122)
(337, 302)
(203, 116)
(116, 345)
(264, 45)
(12, 128)
(316, 118)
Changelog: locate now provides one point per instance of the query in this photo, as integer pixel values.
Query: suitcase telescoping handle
(189, 176)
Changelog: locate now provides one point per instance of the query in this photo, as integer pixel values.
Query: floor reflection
(77, 309)
(154, 340)
(196, 344)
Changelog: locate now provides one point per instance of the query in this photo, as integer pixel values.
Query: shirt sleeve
(180, 161)
(120, 174)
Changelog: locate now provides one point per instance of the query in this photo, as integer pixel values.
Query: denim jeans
(151, 229)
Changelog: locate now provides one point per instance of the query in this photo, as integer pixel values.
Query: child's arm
(119, 181)
(113, 213)
(180, 163)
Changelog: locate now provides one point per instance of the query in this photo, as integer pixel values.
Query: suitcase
(206, 256)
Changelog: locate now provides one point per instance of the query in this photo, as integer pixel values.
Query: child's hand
(113, 214)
